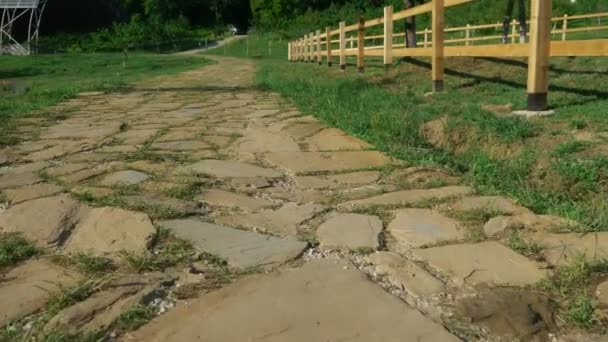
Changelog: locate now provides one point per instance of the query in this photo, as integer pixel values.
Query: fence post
(564, 26)
(468, 35)
(388, 36)
(513, 31)
(438, 34)
(540, 51)
(319, 58)
(289, 51)
(426, 37)
(342, 46)
(328, 44)
(311, 47)
(361, 45)
(308, 47)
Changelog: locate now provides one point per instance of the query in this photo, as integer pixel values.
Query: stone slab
(408, 197)
(222, 198)
(106, 231)
(324, 300)
(299, 162)
(241, 249)
(406, 274)
(333, 139)
(283, 221)
(227, 169)
(337, 181)
(421, 227)
(483, 263)
(26, 288)
(14, 180)
(350, 231)
(128, 177)
(15, 196)
(44, 220)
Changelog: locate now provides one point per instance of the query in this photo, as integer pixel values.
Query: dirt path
(214, 45)
(324, 238)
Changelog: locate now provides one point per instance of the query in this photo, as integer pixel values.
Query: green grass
(135, 317)
(86, 263)
(14, 248)
(34, 82)
(168, 251)
(523, 246)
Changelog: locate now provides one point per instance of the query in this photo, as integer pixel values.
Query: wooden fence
(538, 49)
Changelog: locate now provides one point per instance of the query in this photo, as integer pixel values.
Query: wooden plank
(328, 44)
(591, 47)
(388, 36)
(374, 22)
(342, 46)
(413, 52)
(361, 45)
(352, 27)
(583, 16)
(438, 45)
(319, 59)
(540, 51)
(425, 8)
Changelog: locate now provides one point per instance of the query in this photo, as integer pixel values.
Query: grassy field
(556, 165)
(31, 83)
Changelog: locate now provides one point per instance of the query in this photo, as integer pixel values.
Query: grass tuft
(86, 263)
(14, 248)
(169, 251)
(524, 247)
(135, 317)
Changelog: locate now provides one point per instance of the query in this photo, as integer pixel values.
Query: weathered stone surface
(406, 274)
(97, 312)
(499, 204)
(44, 221)
(262, 113)
(350, 231)
(337, 181)
(15, 196)
(65, 169)
(333, 139)
(26, 288)
(228, 199)
(283, 221)
(227, 169)
(256, 139)
(365, 191)
(136, 136)
(602, 294)
(532, 222)
(482, 263)
(324, 300)
(71, 130)
(14, 180)
(176, 205)
(111, 230)
(187, 145)
(302, 130)
(409, 197)
(326, 161)
(561, 249)
(82, 175)
(241, 249)
(31, 167)
(60, 150)
(421, 227)
(91, 190)
(128, 177)
(177, 135)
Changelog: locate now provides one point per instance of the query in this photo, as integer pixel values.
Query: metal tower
(13, 10)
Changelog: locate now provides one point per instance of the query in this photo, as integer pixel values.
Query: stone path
(324, 238)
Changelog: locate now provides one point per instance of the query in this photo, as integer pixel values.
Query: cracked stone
(483, 263)
(221, 198)
(409, 197)
(413, 279)
(350, 231)
(12, 180)
(240, 248)
(44, 220)
(26, 288)
(227, 169)
(421, 227)
(283, 221)
(128, 177)
(333, 139)
(297, 162)
(337, 181)
(15, 196)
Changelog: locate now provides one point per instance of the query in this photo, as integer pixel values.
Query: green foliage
(581, 311)
(523, 246)
(87, 263)
(135, 317)
(169, 251)
(14, 248)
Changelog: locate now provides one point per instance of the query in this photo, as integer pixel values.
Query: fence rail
(439, 42)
